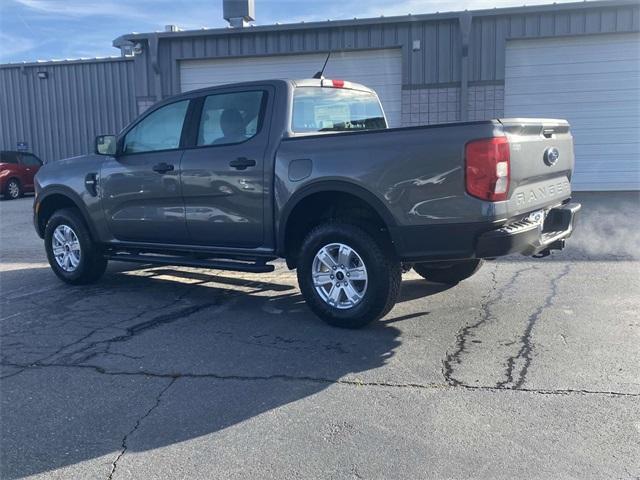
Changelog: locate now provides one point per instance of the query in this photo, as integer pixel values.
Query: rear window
(318, 109)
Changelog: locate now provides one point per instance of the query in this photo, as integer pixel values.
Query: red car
(17, 170)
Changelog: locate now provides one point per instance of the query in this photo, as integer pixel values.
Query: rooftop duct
(239, 12)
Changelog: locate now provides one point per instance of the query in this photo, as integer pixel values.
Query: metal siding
(129, 83)
(379, 69)
(59, 116)
(593, 82)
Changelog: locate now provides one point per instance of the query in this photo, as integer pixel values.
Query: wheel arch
(345, 188)
(57, 198)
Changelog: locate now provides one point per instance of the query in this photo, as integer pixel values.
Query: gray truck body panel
(413, 177)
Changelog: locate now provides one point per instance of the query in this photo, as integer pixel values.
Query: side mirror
(106, 145)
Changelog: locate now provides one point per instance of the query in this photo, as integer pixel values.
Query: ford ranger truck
(234, 177)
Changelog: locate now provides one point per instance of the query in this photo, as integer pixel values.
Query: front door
(140, 188)
(222, 175)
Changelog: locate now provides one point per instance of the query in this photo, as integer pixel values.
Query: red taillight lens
(487, 168)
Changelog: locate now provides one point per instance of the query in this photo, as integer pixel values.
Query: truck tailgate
(542, 159)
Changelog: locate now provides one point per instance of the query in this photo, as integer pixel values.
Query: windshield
(318, 109)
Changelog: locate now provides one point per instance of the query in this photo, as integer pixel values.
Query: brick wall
(486, 101)
(424, 106)
(430, 105)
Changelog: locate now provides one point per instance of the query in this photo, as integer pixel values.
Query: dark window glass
(160, 130)
(8, 157)
(30, 160)
(230, 118)
(319, 109)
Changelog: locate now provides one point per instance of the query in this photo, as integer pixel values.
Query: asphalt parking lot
(531, 369)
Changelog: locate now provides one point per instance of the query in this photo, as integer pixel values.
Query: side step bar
(191, 262)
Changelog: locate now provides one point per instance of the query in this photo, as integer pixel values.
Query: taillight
(487, 168)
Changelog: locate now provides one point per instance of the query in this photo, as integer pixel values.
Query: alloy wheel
(339, 276)
(66, 248)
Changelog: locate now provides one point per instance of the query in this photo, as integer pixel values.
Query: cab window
(160, 130)
(321, 109)
(229, 118)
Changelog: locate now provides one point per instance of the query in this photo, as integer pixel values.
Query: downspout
(157, 79)
(465, 19)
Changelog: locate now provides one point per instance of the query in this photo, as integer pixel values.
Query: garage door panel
(378, 69)
(594, 83)
(624, 110)
(576, 83)
(577, 98)
(606, 49)
(542, 70)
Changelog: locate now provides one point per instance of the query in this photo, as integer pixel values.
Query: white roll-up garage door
(592, 81)
(380, 70)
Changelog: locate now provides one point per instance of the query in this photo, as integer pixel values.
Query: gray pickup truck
(234, 177)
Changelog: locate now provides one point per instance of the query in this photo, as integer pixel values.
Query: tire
(448, 273)
(371, 298)
(13, 189)
(79, 261)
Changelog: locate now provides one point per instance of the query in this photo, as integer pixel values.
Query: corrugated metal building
(579, 61)
(58, 108)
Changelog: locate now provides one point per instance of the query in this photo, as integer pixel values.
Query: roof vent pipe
(239, 12)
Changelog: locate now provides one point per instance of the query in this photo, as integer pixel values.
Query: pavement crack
(322, 380)
(523, 356)
(455, 358)
(125, 439)
(136, 329)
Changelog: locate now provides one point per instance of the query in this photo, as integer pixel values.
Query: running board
(191, 262)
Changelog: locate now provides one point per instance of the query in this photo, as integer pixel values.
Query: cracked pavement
(528, 370)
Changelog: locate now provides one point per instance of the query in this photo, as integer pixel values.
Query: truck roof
(330, 82)
(305, 82)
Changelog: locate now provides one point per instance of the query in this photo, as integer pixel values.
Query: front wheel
(73, 256)
(346, 276)
(447, 272)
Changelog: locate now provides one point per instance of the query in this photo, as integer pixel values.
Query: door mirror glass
(106, 144)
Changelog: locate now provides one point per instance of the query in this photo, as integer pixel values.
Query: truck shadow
(232, 349)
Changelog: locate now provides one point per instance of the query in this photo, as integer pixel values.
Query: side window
(230, 118)
(29, 160)
(8, 157)
(160, 130)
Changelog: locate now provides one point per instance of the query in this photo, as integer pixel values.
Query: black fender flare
(331, 186)
(72, 196)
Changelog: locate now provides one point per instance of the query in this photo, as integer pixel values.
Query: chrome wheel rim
(339, 276)
(66, 248)
(14, 189)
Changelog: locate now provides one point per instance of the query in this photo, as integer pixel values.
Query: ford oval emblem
(551, 156)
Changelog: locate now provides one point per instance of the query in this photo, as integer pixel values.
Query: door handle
(241, 163)
(162, 168)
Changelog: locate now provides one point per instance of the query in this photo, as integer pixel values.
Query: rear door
(223, 182)
(140, 188)
(30, 164)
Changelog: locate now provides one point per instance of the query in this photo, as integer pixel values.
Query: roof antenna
(321, 72)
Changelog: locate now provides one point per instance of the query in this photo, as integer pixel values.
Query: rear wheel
(13, 189)
(346, 276)
(447, 272)
(73, 256)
